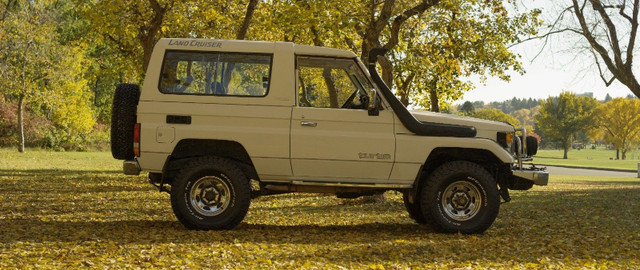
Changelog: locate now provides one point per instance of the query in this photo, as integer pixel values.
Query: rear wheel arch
(189, 149)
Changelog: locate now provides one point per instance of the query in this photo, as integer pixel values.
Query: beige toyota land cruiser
(219, 122)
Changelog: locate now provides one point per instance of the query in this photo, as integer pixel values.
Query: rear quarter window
(215, 73)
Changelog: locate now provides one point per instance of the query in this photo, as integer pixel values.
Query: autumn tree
(496, 115)
(526, 118)
(133, 28)
(456, 39)
(35, 69)
(620, 119)
(433, 44)
(563, 116)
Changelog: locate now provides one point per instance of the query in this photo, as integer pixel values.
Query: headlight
(505, 139)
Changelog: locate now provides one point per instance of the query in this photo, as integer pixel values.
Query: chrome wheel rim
(210, 195)
(461, 200)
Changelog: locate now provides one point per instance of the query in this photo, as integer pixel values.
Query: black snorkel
(407, 119)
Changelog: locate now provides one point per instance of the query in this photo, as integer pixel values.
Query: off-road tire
(123, 120)
(456, 184)
(220, 170)
(413, 208)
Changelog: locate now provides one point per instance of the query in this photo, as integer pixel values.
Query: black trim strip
(407, 119)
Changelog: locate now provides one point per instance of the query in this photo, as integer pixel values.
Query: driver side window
(330, 83)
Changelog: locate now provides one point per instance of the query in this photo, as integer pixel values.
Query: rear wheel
(460, 196)
(210, 193)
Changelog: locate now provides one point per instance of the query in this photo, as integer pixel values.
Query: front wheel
(413, 208)
(210, 193)
(460, 196)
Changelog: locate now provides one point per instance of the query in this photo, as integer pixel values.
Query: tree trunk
(565, 146)
(624, 154)
(387, 71)
(331, 87)
(240, 35)
(147, 35)
(433, 99)
(21, 123)
(242, 32)
(617, 154)
(404, 98)
(403, 89)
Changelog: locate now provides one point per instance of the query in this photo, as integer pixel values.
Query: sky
(550, 70)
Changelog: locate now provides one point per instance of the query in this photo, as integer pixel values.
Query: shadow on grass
(54, 172)
(163, 231)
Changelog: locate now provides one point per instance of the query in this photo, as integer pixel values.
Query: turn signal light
(509, 138)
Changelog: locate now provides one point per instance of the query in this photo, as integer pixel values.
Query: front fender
(415, 149)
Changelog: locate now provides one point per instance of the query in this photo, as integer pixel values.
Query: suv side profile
(219, 122)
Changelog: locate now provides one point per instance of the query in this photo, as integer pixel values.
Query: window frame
(355, 62)
(164, 60)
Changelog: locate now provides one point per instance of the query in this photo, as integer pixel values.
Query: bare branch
(612, 31)
(606, 82)
(592, 41)
(546, 36)
(624, 4)
(632, 35)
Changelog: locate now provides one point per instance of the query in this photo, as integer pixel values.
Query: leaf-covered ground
(76, 210)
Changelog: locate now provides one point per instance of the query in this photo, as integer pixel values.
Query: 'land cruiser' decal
(374, 156)
(195, 43)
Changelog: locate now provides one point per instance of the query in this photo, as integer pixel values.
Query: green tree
(36, 69)
(620, 119)
(562, 117)
(467, 108)
(496, 115)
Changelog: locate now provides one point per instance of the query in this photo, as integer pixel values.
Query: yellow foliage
(77, 210)
(620, 120)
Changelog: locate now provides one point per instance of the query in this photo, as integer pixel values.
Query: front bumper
(131, 167)
(536, 175)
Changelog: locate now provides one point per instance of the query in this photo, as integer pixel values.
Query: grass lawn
(76, 210)
(595, 158)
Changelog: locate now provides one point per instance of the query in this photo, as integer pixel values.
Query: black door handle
(179, 119)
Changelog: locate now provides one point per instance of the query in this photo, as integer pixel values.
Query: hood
(486, 128)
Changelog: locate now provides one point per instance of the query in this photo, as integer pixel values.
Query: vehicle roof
(248, 46)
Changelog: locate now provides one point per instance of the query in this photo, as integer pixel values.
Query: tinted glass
(230, 74)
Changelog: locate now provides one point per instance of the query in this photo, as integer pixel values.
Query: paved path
(575, 171)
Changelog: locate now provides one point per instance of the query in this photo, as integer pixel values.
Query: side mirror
(374, 103)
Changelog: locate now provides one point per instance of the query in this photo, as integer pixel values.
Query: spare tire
(123, 120)
(532, 146)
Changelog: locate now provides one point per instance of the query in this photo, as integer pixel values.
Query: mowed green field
(593, 158)
(76, 210)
